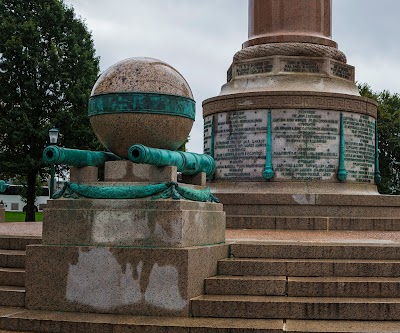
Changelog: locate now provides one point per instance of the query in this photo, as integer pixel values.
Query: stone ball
(141, 101)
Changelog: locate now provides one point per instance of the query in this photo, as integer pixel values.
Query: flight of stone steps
(12, 269)
(264, 287)
(312, 287)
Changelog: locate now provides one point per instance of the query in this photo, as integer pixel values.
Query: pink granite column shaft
(275, 21)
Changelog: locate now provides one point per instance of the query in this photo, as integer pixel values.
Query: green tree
(47, 68)
(388, 136)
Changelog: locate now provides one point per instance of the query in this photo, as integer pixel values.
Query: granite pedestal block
(2, 214)
(137, 281)
(87, 174)
(127, 171)
(149, 223)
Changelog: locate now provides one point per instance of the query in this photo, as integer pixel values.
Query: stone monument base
(139, 257)
(147, 223)
(135, 281)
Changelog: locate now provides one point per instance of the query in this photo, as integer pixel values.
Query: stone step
(310, 308)
(12, 277)
(312, 223)
(12, 258)
(316, 250)
(12, 296)
(18, 242)
(246, 285)
(370, 287)
(327, 326)
(309, 267)
(41, 321)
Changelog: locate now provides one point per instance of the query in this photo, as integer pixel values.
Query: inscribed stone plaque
(208, 122)
(251, 68)
(342, 70)
(301, 65)
(305, 144)
(240, 144)
(360, 147)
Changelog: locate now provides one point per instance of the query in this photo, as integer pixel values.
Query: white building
(12, 200)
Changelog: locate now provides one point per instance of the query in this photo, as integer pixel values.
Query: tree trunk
(30, 197)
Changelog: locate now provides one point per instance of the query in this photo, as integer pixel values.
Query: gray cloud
(199, 38)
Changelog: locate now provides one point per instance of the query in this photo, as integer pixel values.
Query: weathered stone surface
(145, 223)
(142, 75)
(84, 175)
(138, 281)
(127, 171)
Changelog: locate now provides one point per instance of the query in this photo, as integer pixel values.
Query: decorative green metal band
(3, 186)
(212, 138)
(212, 147)
(269, 172)
(169, 190)
(377, 175)
(153, 103)
(342, 172)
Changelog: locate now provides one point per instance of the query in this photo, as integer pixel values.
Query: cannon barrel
(77, 158)
(187, 163)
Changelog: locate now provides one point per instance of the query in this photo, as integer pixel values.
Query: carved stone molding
(290, 49)
(290, 100)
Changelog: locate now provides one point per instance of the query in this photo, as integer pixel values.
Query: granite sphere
(141, 100)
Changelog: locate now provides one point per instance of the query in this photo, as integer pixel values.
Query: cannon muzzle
(187, 163)
(77, 158)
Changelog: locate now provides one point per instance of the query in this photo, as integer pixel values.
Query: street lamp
(53, 135)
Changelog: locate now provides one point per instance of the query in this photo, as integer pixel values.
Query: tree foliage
(388, 136)
(47, 68)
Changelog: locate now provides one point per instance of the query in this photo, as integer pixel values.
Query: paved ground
(21, 229)
(348, 237)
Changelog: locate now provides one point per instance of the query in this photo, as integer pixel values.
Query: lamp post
(53, 135)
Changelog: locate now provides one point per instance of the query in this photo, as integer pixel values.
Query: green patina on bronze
(342, 172)
(212, 145)
(78, 158)
(3, 186)
(170, 190)
(378, 178)
(187, 163)
(269, 172)
(139, 102)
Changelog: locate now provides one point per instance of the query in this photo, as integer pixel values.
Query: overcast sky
(200, 37)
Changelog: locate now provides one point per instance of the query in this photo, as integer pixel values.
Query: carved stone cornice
(290, 100)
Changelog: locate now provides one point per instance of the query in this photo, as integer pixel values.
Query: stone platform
(297, 272)
(318, 211)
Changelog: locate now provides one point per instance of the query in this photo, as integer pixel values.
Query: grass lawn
(20, 216)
